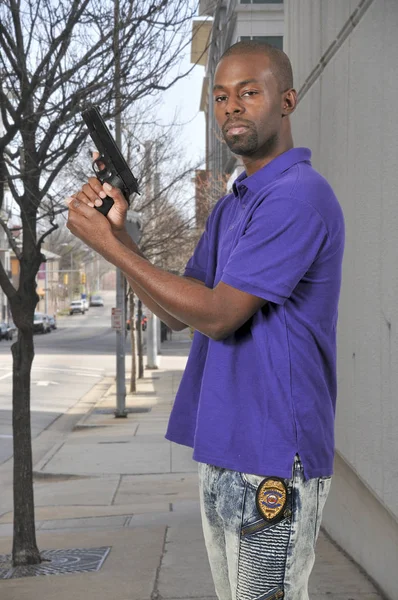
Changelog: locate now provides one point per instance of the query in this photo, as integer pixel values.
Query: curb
(91, 398)
(106, 387)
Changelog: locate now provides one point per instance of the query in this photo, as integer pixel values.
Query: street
(68, 362)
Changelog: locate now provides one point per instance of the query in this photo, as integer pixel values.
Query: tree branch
(10, 238)
(47, 233)
(6, 284)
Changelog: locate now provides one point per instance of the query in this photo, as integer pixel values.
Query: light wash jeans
(251, 559)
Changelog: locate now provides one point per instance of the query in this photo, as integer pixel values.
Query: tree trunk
(133, 387)
(139, 341)
(24, 549)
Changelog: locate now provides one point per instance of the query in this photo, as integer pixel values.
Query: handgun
(110, 167)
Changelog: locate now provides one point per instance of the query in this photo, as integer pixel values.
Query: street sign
(117, 319)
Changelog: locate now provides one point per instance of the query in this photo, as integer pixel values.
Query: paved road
(68, 362)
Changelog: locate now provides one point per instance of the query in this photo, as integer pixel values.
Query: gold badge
(271, 498)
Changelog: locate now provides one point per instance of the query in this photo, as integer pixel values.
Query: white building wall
(258, 20)
(325, 19)
(349, 120)
(260, 28)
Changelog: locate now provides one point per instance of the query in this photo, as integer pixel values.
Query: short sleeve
(197, 265)
(280, 243)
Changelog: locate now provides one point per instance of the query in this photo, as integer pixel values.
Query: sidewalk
(118, 484)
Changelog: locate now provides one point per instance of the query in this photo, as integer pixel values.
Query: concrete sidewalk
(118, 483)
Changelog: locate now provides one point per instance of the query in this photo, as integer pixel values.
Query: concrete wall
(347, 115)
(258, 20)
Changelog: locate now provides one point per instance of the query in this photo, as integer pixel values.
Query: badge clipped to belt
(271, 499)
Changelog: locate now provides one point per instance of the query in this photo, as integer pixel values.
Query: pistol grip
(106, 205)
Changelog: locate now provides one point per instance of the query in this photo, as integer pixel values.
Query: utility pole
(133, 226)
(120, 280)
(139, 340)
(151, 332)
(151, 341)
(71, 278)
(46, 288)
(98, 273)
(156, 193)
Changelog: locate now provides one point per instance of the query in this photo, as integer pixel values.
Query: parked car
(41, 323)
(96, 301)
(12, 330)
(76, 306)
(7, 330)
(53, 321)
(3, 331)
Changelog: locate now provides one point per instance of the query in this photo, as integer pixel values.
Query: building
(5, 259)
(202, 200)
(49, 287)
(221, 24)
(344, 55)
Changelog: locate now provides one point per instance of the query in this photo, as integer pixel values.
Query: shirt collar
(277, 166)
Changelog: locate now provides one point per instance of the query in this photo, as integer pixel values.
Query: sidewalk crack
(116, 490)
(155, 595)
(171, 457)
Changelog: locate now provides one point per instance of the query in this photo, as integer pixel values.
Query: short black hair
(281, 66)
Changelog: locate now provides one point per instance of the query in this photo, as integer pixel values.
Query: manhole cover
(56, 562)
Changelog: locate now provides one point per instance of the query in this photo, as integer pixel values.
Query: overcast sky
(185, 97)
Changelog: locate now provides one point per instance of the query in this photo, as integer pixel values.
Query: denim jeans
(250, 558)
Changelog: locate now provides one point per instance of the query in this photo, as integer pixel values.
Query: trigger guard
(97, 170)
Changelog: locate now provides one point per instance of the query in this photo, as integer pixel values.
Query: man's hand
(90, 226)
(92, 194)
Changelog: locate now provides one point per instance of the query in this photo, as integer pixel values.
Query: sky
(185, 97)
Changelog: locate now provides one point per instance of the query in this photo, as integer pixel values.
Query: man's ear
(289, 102)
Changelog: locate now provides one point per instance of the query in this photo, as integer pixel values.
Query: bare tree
(55, 59)
(167, 240)
(165, 206)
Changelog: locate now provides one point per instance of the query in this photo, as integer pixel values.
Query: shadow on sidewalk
(178, 345)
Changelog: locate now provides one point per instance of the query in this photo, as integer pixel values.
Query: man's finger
(114, 192)
(79, 196)
(89, 195)
(95, 184)
(79, 206)
(96, 156)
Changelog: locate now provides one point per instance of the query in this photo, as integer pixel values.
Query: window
(261, 1)
(273, 40)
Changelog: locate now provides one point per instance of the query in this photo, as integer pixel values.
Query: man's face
(247, 104)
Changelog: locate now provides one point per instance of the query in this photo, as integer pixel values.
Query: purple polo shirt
(254, 400)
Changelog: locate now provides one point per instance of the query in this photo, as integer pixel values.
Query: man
(257, 399)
